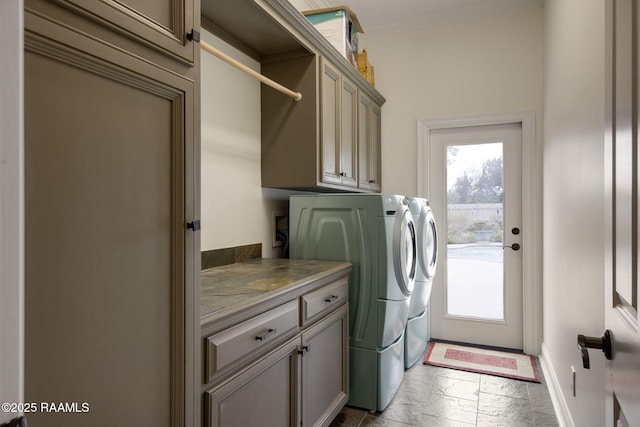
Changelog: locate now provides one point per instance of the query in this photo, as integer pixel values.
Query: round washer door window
(429, 249)
(405, 256)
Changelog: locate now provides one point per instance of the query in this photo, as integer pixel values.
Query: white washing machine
(376, 234)
(417, 330)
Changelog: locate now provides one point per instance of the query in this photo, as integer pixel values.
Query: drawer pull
(265, 335)
(332, 298)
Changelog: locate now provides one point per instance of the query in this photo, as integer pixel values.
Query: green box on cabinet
(340, 26)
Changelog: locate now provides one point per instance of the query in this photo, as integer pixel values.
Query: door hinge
(194, 225)
(193, 35)
(305, 349)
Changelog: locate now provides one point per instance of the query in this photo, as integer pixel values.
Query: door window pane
(475, 192)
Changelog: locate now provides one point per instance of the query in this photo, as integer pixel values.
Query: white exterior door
(475, 191)
(622, 214)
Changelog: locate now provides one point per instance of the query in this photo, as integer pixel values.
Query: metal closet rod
(240, 66)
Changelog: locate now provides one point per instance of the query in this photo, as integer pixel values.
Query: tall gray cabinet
(111, 186)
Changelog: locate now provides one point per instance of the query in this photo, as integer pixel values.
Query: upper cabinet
(326, 141)
(157, 26)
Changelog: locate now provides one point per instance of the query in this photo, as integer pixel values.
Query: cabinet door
(265, 394)
(161, 24)
(348, 133)
(110, 296)
(364, 142)
(330, 137)
(369, 144)
(375, 158)
(325, 370)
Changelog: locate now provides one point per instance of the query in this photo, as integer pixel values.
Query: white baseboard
(555, 391)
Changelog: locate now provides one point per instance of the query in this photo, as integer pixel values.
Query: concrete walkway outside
(475, 281)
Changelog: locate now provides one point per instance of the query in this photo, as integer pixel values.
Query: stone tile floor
(440, 397)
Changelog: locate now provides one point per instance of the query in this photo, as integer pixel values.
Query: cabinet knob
(372, 181)
(342, 174)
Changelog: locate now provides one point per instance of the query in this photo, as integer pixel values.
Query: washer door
(404, 251)
(428, 250)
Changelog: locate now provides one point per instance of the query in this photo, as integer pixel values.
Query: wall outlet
(573, 381)
(279, 221)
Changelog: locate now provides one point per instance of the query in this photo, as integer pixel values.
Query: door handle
(515, 247)
(604, 343)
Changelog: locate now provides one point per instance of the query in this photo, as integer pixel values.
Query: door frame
(531, 205)
(620, 316)
(12, 206)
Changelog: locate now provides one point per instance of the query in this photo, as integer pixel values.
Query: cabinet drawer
(251, 337)
(323, 300)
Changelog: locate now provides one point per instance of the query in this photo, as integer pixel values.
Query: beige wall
(235, 209)
(574, 199)
(489, 64)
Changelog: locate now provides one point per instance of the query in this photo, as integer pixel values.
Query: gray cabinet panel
(251, 337)
(375, 158)
(262, 395)
(339, 125)
(348, 132)
(161, 24)
(110, 303)
(330, 136)
(369, 144)
(290, 130)
(325, 369)
(324, 300)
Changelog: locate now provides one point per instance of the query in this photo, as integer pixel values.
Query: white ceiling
(384, 16)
